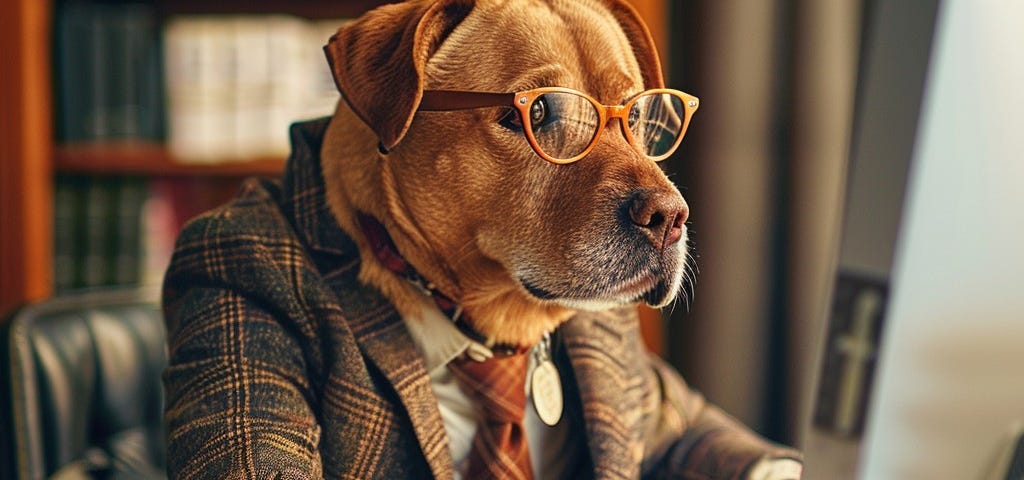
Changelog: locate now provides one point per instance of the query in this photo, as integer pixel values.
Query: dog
(532, 241)
(493, 164)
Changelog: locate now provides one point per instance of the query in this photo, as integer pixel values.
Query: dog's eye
(539, 116)
(511, 120)
(538, 112)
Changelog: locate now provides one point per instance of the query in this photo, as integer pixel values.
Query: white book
(250, 86)
(197, 68)
(289, 79)
(185, 122)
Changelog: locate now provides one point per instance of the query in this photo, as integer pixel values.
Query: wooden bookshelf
(29, 157)
(26, 187)
(152, 160)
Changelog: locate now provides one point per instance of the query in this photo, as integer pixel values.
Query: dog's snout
(659, 215)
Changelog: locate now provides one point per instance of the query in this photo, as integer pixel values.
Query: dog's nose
(659, 215)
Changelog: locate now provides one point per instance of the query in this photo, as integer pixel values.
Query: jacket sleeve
(238, 396)
(688, 438)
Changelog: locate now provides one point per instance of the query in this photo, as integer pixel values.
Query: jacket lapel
(386, 342)
(378, 329)
(597, 348)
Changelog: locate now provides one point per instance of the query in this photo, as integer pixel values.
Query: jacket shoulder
(247, 245)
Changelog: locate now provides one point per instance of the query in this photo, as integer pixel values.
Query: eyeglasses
(563, 125)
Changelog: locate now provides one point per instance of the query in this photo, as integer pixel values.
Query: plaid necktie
(499, 448)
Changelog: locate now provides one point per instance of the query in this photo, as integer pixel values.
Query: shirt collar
(436, 337)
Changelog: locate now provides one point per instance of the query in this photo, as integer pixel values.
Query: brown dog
(518, 241)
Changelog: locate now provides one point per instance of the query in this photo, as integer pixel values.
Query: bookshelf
(30, 158)
(152, 159)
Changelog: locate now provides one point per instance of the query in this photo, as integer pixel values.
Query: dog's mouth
(649, 287)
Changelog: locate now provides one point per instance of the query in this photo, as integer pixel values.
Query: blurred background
(763, 168)
(122, 120)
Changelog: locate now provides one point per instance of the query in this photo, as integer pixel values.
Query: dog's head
(463, 190)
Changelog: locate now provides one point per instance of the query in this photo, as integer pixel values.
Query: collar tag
(545, 384)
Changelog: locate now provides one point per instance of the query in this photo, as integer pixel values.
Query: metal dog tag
(546, 385)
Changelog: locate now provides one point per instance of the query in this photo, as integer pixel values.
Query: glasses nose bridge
(613, 112)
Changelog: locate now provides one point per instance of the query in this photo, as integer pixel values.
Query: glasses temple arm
(443, 100)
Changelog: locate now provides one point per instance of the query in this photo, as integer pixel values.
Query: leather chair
(82, 391)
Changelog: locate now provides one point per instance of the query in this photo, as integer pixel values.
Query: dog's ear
(640, 39)
(378, 61)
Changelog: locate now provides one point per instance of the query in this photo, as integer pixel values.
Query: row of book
(120, 230)
(107, 66)
(235, 83)
(97, 231)
(214, 87)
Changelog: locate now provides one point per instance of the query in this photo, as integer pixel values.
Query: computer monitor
(921, 372)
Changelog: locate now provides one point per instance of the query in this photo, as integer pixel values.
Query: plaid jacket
(282, 365)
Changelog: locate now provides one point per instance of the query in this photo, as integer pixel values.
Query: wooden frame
(26, 141)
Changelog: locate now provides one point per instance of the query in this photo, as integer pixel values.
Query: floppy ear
(378, 61)
(641, 41)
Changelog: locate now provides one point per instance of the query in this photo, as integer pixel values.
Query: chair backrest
(82, 387)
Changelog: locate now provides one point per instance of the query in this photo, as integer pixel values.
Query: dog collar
(387, 254)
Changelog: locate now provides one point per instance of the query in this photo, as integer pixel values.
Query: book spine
(250, 87)
(146, 64)
(99, 50)
(133, 45)
(289, 80)
(159, 230)
(73, 81)
(95, 262)
(127, 222)
(121, 77)
(68, 228)
(201, 129)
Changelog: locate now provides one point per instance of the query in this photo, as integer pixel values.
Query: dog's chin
(656, 291)
(663, 293)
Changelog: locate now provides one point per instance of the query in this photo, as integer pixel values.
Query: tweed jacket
(283, 365)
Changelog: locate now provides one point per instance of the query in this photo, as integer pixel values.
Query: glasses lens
(656, 122)
(563, 124)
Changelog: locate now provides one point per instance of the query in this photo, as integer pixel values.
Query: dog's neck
(386, 253)
(493, 316)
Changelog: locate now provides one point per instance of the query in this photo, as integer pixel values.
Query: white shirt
(440, 342)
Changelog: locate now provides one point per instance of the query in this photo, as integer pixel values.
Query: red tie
(499, 447)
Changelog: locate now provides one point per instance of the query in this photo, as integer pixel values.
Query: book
(288, 51)
(159, 230)
(68, 229)
(198, 72)
(93, 264)
(250, 89)
(136, 110)
(126, 258)
(72, 70)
